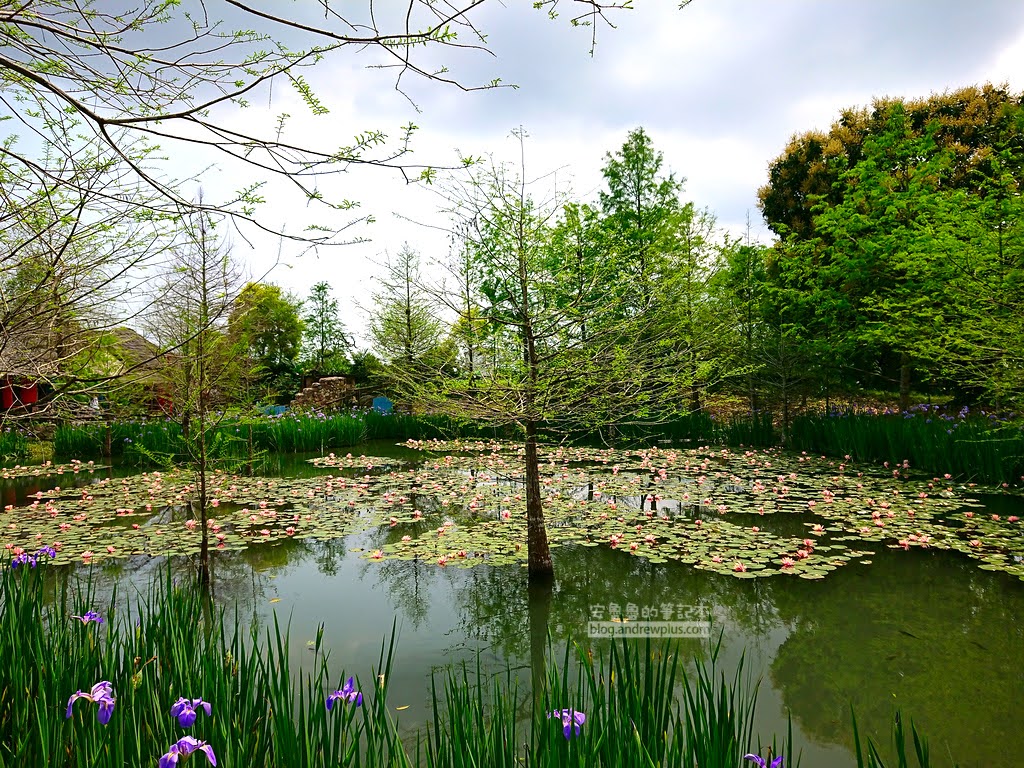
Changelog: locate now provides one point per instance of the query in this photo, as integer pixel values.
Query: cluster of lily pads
(743, 513)
(47, 469)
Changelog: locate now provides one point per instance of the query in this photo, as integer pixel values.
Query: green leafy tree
(368, 370)
(546, 377)
(985, 349)
(740, 292)
(965, 122)
(580, 251)
(641, 209)
(666, 255)
(876, 273)
(199, 356)
(903, 243)
(460, 294)
(404, 325)
(265, 326)
(687, 301)
(325, 345)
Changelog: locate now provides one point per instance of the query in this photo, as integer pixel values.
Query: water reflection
(926, 631)
(923, 631)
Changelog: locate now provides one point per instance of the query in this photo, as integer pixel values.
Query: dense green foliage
(265, 326)
(13, 446)
(324, 343)
(902, 253)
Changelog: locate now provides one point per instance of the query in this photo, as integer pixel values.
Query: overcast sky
(720, 86)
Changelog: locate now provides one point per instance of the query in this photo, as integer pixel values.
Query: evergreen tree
(325, 345)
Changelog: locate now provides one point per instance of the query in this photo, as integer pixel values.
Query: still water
(923, 631)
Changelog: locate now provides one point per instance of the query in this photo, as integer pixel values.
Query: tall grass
(642, 707)
(172, 643)
(703, 428)
(147, 442)
(977, 447)
(13, 446)
(868, 755)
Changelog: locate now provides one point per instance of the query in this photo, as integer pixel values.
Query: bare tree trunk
(904, 381)
(204, 544)
(694, 383)
(539, 564)
(785, 415)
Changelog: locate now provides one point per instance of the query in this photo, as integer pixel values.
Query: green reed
(643, 705)
(979, 448)
(155, 442)
(13, 446)
(869, 756)
(167, 644)
(702, 428)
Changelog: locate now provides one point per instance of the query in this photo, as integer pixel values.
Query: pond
(907, 596)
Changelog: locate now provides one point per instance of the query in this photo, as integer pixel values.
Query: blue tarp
(382, 405)
(273, 410)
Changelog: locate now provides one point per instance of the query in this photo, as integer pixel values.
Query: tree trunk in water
(204, 544)
(538, 553)
(204, 541)
(539, 604)
(904, 382)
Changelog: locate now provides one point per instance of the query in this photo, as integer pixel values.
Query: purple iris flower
(88, 616)
(347, 693)
(570, 718)
(23, 558)
(103, 694)
(185, 711)
(760, 761)
(184, 747)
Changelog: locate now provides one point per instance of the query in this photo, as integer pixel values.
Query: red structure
(18, 392)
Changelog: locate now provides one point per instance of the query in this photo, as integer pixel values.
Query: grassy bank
(155, 441)
(981, 447)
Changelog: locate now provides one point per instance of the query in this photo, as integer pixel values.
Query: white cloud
(720, 86)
